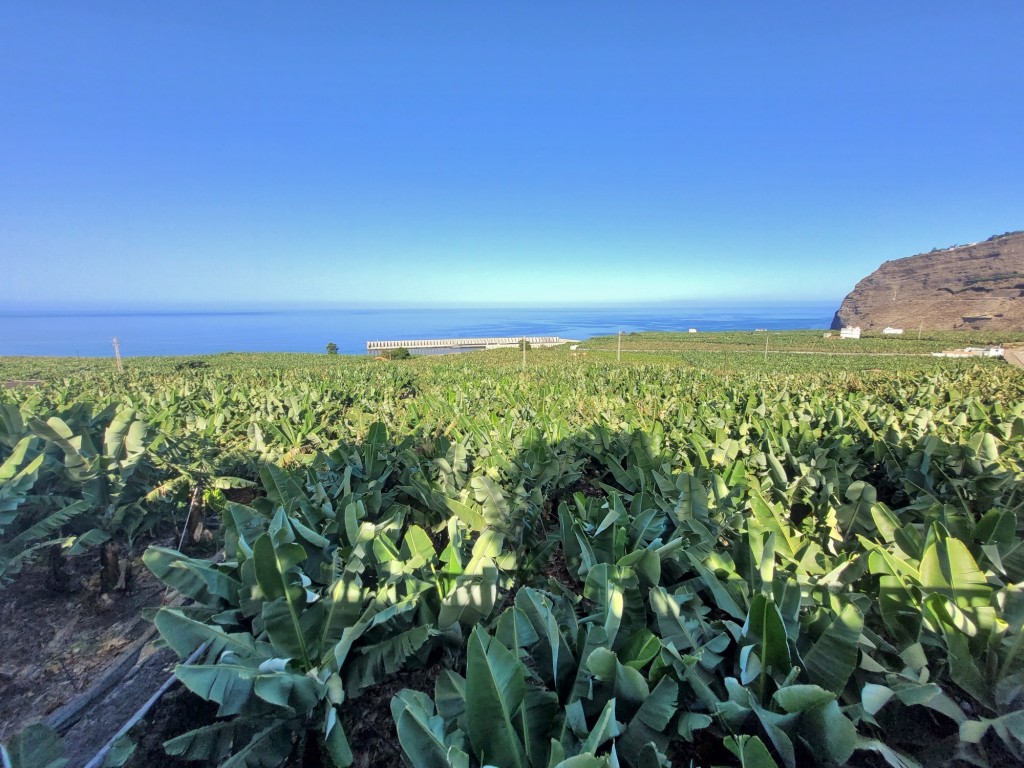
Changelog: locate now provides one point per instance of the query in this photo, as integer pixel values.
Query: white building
(890, 331)
(971, 352)
(850, 333)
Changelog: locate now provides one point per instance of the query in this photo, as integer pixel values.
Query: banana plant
(297, 625)
(499, 715)
(89, 470)
(285, 652)
(36, 746)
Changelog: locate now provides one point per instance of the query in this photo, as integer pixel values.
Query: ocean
(89, 333)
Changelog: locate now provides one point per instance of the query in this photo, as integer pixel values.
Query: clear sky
(463, 152)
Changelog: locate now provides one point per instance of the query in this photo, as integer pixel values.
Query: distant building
(986, 351)
(850, 333)
(971, 352)
(692, 330)
(890, 331)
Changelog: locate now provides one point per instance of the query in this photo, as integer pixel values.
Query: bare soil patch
(57, 645)
(556, 570)
(241, 495)
(368, 722)
(1014, 356)
(178, 711)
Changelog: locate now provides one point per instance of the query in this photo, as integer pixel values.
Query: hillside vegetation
(698, 555)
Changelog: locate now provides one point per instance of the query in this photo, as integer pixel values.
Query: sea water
(89, 333)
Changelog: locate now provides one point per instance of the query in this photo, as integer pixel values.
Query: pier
(493, 342)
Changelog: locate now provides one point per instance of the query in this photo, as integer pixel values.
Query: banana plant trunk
(110, 567)
(58, 578)
(194, 521)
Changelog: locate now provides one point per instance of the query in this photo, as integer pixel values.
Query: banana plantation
(671, 561)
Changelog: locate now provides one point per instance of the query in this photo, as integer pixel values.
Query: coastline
(198, 333)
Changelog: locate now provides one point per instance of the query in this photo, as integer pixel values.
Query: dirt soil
(177, 712)
(241, 495)
(1014, 355)
(368, 722)
(108, 714)
(557, 570)
(57, 645)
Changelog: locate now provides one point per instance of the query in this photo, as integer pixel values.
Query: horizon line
(69, 309)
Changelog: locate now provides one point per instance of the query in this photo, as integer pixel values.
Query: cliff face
(978, 286)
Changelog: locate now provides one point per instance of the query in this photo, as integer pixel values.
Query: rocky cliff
(979, 286)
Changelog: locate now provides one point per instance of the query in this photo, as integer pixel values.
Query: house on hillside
(890, 331)
(850, 333)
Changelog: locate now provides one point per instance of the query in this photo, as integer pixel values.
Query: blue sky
(474, 153)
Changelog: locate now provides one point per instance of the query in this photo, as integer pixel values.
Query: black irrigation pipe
(97, 761)
(65, 718)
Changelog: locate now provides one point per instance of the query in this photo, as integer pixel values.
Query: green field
(699, 554)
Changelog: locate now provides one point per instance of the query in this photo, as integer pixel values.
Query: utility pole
(523, 345)
(117, 355)
(766, 346)
(618, 353)
(919, 329)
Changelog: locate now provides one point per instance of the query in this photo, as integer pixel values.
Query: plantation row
(912, 341)
(588, 564)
